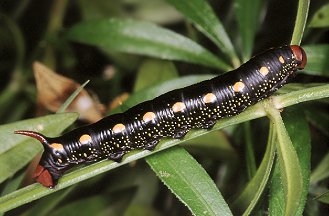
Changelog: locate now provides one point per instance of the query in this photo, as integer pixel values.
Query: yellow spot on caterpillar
(149, 116)
(281, 59)
(209, 98)
(264, 71)
(118, 128)
(57, 146)
(238, 86)
(85, 154)
(59, 160)
(85, 139)
(178, 107)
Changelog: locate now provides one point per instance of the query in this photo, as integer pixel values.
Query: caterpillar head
(300, 55)
(52, 163)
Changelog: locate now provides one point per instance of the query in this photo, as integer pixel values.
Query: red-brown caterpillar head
(300, 55)
(49, 170)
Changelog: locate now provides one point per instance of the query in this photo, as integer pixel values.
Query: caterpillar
(173, 114)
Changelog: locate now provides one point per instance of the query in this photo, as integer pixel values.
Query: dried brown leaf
(54, 89)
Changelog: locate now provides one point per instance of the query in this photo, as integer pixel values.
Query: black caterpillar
(170, 115)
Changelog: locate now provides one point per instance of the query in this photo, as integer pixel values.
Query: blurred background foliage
(69, 37)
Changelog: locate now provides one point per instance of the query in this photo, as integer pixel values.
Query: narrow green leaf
(321, 18)
(154, 91)
(291, 87)
(189, 182)
(276, 194)
(72, 97)
(298, 130)
(143, 38)
(213, 145)
(19, 150)
(108, 205)
(13, 184)
(300, 23)
(155, 11)
(153, 71)
(290, 169)
(252, 192)
(321, 171)
(247, 13)
(202, 15)
(317, 60)
(47, 205)
(300, 96)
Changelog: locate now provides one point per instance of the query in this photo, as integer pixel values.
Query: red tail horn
(33, 134)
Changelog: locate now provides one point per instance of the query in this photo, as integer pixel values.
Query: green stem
(56, 16)
(300, 23)
(300, 96)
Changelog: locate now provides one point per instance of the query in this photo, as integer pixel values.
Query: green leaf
(13, 184)
(317, 60)
(143, 38)
(321, 18)
(213, 145)
(300, 96)
(189, 182)
(109, 205)
(153, 71)
(321, 171)
(72, 97)
(154, 91)
(253, 191)
(300, 23)
(17, 151)
(290, 180)
(202, 15)
(299, 132)
(47, 205)
(247, 13)
(155, 11)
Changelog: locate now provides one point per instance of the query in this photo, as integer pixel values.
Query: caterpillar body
(170, 115)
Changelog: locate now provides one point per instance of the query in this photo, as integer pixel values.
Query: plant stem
(300, 22)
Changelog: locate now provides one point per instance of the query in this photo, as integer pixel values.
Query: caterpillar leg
(181, 132)
(117, 156)
(151, 144)
(209, 123)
